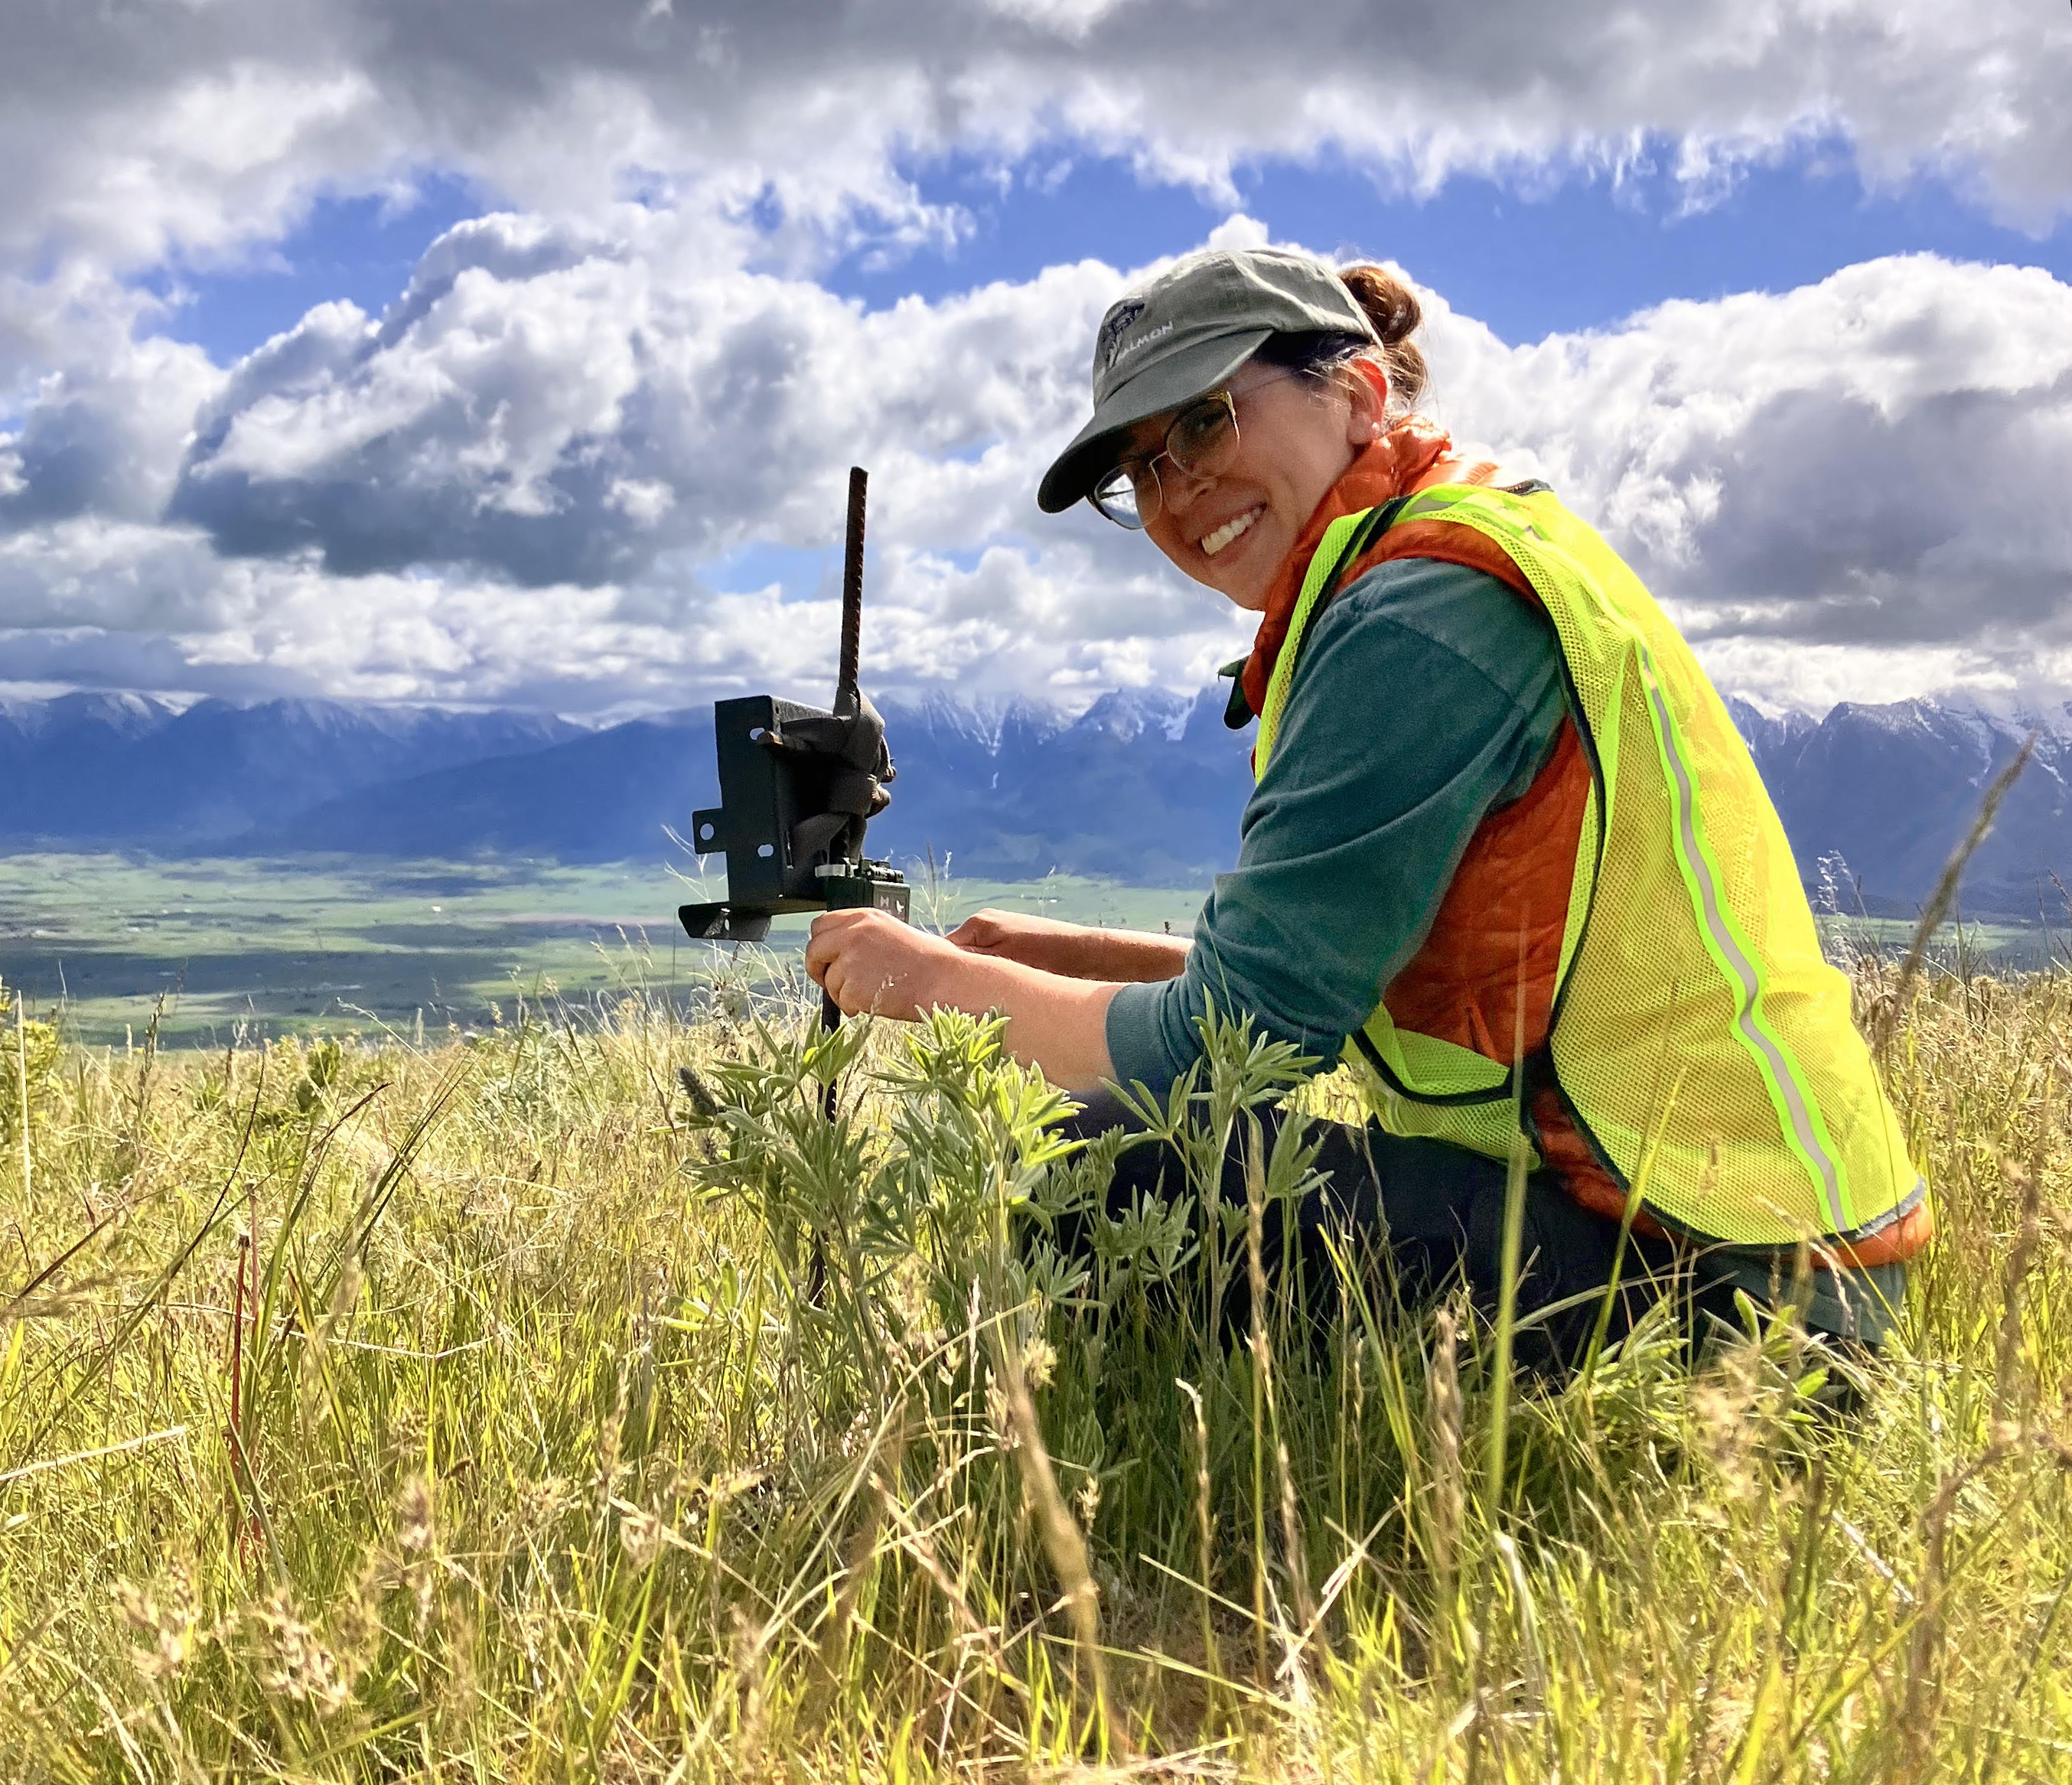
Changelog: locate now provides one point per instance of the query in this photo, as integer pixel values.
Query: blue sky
(1583, 254)
(358, 250)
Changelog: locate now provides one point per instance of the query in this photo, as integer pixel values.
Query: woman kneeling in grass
(1505, 853)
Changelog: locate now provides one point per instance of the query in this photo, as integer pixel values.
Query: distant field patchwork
(308, 943)
(332, 943)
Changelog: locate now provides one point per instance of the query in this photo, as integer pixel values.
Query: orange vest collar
(1413, 455)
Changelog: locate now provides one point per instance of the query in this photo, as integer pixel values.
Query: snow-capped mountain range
(1143, 786)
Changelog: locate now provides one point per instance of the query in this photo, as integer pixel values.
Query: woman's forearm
(1133, 957)
(1054, 1022)
(1072, 951)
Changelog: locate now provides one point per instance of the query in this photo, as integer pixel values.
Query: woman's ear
(1367, 403)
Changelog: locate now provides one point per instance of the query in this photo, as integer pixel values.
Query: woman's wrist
(973, 983)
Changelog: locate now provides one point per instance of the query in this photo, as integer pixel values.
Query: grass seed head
(293, 1661)
(415, 1528)
(641, 1536)
(1000, 1418)
(167, 1618)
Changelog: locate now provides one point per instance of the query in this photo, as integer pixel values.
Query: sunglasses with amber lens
(1201, 442)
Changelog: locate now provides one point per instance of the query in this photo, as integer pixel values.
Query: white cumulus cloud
(539, 474)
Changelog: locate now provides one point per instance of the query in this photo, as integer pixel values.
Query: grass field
(483, 1410)
(336, 944)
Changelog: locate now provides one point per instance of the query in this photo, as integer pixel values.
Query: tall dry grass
(506, 1410)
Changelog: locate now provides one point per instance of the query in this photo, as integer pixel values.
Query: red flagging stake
(237, 1338)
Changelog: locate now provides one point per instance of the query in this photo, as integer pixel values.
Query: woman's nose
(1179, 490)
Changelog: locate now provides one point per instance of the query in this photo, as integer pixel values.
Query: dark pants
(1415, 1216)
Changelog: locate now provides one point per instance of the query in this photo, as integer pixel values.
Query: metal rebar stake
(852, 631)
(846, 693)
(847, 697)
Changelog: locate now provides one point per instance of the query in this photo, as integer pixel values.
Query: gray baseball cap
(1182, 333)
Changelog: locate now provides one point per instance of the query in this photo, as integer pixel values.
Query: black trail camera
(797, 787)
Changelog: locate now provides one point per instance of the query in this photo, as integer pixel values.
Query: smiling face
(1295, 438)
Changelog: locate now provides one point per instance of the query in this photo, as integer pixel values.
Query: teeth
(1214, 542)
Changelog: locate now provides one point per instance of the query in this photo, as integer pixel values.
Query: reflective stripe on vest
(1700, 1037)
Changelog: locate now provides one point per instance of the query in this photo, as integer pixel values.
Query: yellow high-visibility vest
(1701, 1038)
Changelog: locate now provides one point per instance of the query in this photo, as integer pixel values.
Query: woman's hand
(871, 963)
(1115, 956)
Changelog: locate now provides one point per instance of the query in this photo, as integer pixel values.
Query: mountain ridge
(1144, 785)
(113, 769)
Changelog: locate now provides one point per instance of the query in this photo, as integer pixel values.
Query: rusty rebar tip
(846, 693)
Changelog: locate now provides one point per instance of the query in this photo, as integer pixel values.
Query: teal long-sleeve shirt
(1427, 695)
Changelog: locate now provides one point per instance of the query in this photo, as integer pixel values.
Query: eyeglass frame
(1226, 399)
